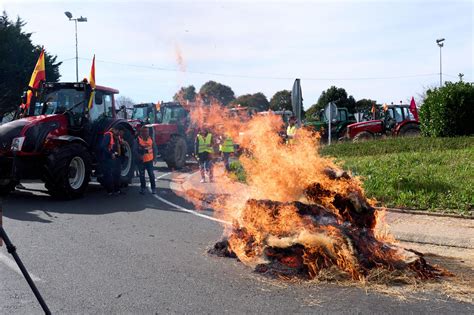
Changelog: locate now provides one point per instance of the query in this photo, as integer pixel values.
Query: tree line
(18, 56)
(281, 100)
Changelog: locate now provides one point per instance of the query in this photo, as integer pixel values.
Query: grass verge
(418, 173)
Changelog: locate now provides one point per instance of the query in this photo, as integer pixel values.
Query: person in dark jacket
(112, 152)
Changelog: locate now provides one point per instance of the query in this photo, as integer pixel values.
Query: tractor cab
(391, 120)
(70, 102)
(145, 113)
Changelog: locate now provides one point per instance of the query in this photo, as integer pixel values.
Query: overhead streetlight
(79, 19)
(440, 43)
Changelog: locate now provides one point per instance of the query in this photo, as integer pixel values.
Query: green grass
(238, 171)
(418, 173)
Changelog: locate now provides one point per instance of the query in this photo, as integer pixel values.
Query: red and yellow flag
(92, 83)
(39, 74)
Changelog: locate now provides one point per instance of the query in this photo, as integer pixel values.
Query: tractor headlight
(17, 143)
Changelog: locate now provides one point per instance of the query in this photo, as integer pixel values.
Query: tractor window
(407, 114)
(139, 113)
(97, 111)
(398, 114)
(342, 115)
(151, 118)
(108, 105)
(171, 115)
(58, 101)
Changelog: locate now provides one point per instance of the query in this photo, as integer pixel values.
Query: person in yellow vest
(291, 131)
(204, 149)
(147, 156)
(226, 148)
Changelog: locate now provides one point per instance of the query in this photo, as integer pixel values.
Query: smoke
(179, 58)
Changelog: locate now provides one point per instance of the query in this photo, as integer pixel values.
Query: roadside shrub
(448, 111)
(238, 171)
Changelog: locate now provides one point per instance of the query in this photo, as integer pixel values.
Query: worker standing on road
(147, 156)
(203, 149)
(112, 146)
(291, 131)
(226, 148)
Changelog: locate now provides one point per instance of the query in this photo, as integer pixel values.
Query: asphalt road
(137, 254)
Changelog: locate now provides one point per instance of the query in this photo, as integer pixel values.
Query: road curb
(428, 213)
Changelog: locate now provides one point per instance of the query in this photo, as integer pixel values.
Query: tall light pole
(79, 19)
(440, 44)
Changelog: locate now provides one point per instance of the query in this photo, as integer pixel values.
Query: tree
(18, 58)
(185, 93)
(123, 100)
(448, 111)
(333, 94)
(257, 101)
(217, 91)
(281, 100)
(364, 104)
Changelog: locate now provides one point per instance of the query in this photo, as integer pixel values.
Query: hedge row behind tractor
(59, 140)
(397, 120)
(338, 125)
(170, 126)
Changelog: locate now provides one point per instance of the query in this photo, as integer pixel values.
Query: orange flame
(318, 215)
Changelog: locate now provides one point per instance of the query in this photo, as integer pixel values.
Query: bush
(238, 171)
(448, 111)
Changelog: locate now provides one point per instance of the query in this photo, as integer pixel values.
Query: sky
(382, 50)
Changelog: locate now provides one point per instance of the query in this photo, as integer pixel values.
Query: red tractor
(59, 140)
(395, 120)
(170, 126)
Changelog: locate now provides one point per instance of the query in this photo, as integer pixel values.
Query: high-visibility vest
(291, 132)
(110, 146)
(227, 146)
(148, 146)
(204, 144)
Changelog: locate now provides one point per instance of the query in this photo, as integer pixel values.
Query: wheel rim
(77, 172)
(127, 163)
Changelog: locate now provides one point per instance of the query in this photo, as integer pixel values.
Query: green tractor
(338, 125)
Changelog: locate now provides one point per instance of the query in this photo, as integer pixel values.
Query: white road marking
(10, 263)
(188, 210)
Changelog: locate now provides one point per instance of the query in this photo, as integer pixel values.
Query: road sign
(330, 112)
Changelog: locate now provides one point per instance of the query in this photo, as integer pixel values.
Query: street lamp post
(79, 19)
(440, 43)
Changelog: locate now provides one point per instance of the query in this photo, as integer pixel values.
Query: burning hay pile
(300, 214)
(295, 239)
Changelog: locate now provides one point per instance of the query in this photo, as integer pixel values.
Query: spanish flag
(39, 74)
(92, 83)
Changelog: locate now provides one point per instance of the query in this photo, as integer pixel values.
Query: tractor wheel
(409, 131)
(129, 158)
(175, 153)
(342, 135)
(69, 170)
(7, 186)
(363, 136)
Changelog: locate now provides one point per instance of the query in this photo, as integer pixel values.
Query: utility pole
(440, 43)
(79, 19)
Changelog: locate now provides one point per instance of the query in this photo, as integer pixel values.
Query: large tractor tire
(410, 130)
(129, 159)
(175, 153)
(69, 170)
(363, 136)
